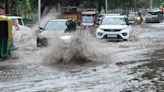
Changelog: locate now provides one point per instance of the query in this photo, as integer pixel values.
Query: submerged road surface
(136, 65)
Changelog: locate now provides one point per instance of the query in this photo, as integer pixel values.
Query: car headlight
(137, 18)
(66, 37)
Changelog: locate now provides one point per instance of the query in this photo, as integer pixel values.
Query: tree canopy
(27, 6)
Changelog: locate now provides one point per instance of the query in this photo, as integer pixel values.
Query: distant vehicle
(134, 18)
(131, 17)
(154, 16)
(53, 28)
(101, 16)
(88, 17)
(114, 27)
(70, 12)
(6, 38)
(162, 8)
(19, 30)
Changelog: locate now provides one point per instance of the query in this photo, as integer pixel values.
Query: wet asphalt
(136, 65)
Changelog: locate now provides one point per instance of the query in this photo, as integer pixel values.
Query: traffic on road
(83, 51)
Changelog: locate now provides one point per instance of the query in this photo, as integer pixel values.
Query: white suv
(114, 27)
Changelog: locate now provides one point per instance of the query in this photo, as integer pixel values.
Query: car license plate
(111, 35)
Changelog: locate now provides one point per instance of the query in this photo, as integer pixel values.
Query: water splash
(81, 49)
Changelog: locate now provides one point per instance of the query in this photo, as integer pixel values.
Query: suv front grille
(112, 30)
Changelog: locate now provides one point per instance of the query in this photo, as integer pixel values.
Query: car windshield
(56, 25)
(153, 13)
(87, 19)
(114, 21)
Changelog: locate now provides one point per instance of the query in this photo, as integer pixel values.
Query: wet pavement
(126, 66)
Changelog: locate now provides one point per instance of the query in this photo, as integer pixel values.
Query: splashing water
(81, 49)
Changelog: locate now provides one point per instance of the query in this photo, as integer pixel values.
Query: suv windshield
(114, 21)
(56, 25)
(153, 13)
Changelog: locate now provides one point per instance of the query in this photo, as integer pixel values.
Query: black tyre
(42, 42)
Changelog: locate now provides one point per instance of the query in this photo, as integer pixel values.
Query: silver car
(49, 31)
(154, 16)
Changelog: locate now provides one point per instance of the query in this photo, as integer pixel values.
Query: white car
(114, 27)
(19, 30)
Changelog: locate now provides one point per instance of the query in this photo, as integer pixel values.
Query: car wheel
(44, 42)
(125, 39)
(39, 42)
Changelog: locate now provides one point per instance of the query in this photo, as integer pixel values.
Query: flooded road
(126, 66)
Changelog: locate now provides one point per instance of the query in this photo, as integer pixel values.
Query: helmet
(71, 24)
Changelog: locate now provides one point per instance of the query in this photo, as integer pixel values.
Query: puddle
(152, 34)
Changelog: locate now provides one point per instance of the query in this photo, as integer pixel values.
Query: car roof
(155, 10)
(12, 17)
(58, 20)
(112, 14)
(116, 16)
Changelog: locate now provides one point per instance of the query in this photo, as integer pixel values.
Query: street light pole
(39, 12)
(135, 5)
(151, 4)
(106, 6)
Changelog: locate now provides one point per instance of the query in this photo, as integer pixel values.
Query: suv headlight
(124, 34)
(100, 33)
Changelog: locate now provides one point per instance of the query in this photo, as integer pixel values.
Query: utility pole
(135, 5)
(151, 4)
(39, 12)
(106, 6)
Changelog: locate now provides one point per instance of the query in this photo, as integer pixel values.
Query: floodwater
(126, 66)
